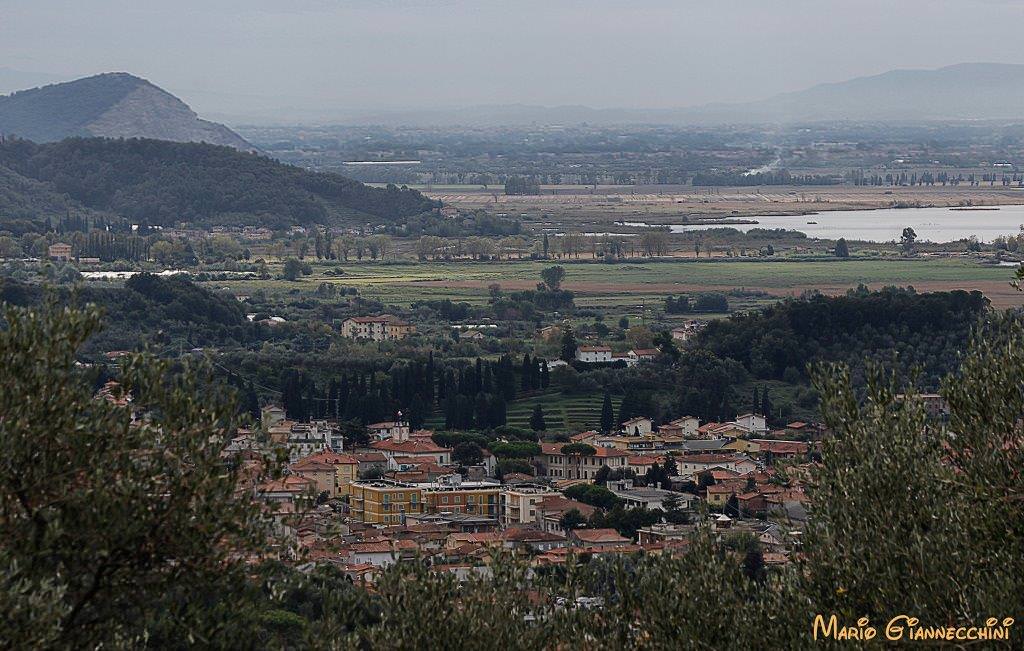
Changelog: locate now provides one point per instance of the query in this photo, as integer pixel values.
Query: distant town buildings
(400, 496)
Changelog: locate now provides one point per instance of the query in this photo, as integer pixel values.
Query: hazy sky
(249, 56)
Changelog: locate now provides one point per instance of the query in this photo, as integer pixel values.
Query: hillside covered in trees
(150, 309)
(895, 326)
(162, 183)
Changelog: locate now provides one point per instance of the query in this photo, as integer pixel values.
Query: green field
(636, 284)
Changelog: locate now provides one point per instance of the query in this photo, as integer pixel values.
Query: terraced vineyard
(562, 413)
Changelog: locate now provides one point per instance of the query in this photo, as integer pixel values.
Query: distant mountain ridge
(113, 105)
(968, 91)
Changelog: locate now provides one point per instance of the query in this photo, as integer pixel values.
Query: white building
(639, 426)
(309, 438)
(754, 423)
(594, 354)
(518, 504)
(690, 464)
(685, 427)
(394, 430)
(649, 497)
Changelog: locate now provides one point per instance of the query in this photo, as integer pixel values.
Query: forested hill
(897, 327)
(162, 183)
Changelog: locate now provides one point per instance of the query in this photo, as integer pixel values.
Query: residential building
(59, 251)
(661, 532)
(640, 497)
(452, 495)
(395, 430)
(462, 522)
(625, 358)
(575, 466)
(690, 464)
(594, 354)
(424, 450)
(753, 423)
(370, 462)
(551, 508)
(639, 426)
(687, 331)
(770, 450)
(331, 472)
(287, 490)
(641, 463)
(643, 354)
(304, 439)
(685, 427)
(383, 502)
(550, 333)
(718, 494)
(518, 504)
(648, 444)
(534, 540)
(376, 328)
(271, 415)
(597, 538)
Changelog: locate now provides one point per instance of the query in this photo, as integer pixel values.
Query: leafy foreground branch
(121, 527)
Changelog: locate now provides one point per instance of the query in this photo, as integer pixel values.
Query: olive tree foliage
(113, 516)
(912, 516)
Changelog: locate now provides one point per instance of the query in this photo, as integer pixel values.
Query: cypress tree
(607, 414)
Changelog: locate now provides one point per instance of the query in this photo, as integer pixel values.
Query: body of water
(886, 225)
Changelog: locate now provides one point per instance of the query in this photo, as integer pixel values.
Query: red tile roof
(288, 483)
(710, 458)
(782, 447)
(409, 447)
(599, 536)
(323, 460)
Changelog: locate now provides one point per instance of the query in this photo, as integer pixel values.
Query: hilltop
(163, 183)
(968, 91)
(114, 105)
